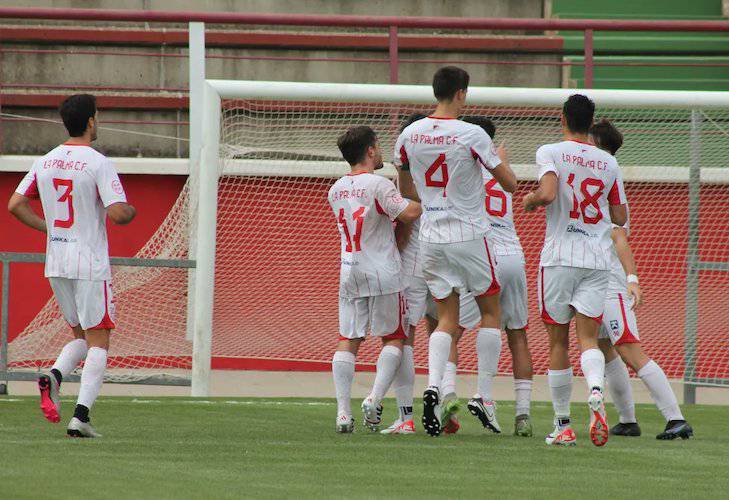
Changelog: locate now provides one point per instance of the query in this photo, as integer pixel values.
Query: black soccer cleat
(431, 411)
(676, 429)
(631, 429)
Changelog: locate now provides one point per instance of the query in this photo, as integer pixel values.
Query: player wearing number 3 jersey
(370, 289)
(582, 188)
(78, 187)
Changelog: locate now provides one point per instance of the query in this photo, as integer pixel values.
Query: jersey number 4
(64, 187)
(358, 218)
(438, 164)
(590, 199)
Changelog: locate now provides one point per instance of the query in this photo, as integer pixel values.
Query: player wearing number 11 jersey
(78, 187)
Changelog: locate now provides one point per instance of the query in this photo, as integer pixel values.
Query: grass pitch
(234, 448)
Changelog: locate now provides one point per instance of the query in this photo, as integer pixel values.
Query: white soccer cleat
(79, 429)
(400, 427)
(372, 414)
(50, 397)
(598, 419)
(345, 424)
(561, 437)
(485, 411)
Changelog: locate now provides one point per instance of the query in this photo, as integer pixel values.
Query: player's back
(363, 205)
(500, 216)
(445, 158)
(75, 184)
(578, 220)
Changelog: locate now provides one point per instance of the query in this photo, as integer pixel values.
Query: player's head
(606, 136)
(485, 123)
(577, 114)
(359, 146)
(78, 113)
(450, 84)
(411, 119)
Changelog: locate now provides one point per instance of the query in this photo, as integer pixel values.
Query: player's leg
(523, 374)
(353, 325)
(618, 383)
(451, 405)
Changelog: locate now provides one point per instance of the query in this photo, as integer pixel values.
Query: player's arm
(402, 165)
(411, 213)
(618, 200)
(19, 206)
(113, 196)
(496, 161)
(548, 181)
(403, 230)
(390, 202)
(121, 213)
(625, 254)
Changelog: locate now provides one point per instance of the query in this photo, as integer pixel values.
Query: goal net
(277, 245)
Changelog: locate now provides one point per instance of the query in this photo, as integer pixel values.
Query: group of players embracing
(454, 257)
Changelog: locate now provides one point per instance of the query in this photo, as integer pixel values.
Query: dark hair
(411, 119)
(606, 136)
(76, 111)
(579, 110)
(354, 143)
(485, 123)
(449, 80)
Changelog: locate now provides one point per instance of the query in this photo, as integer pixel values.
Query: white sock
(522, 395)
(387, 364)
(448, 384)
(560, 384)
(439, 348)
(92, 376)
(593, 366)
(343, 372)
(71, 355)
(404, 383)
(618, 381)
(488, 349)
(657, 383)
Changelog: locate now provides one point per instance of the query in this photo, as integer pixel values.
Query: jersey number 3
(64, 187)
(590, 199)
(438, 164)
(358, 218)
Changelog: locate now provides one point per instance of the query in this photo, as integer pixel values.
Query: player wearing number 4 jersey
(582, 187)
(78, 187)
(370, 291)
(439, 161)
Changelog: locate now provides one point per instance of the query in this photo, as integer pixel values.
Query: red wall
(152, 195)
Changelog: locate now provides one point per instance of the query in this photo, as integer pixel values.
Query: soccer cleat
(79, 429)
(432, 411)
(485, 412)
(676, 429)
(626, 429)
(400, 427)
(598, 421)
(561, 437)
(451, 425)
(50, 398)
(451, 406)
(345, 424)
(523, 426)
(372, 414)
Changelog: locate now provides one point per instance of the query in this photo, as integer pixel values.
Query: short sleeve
(617, 196)
(545, 162)
(400, 156)
(482, 149)
(110, 187)
(29, 185)
(388, 199)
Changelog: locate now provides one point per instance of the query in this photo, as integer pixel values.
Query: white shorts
(416, 294)
(564, 290)
(469, 315)
(618, 320)
(383, 315)
(467, 265)
(514, 303)
(85, 302)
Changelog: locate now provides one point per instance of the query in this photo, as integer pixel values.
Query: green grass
(181, 448)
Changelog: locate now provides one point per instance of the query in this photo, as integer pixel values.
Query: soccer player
(582, 188)
(440, 159)
(370, 291)
(78, 188)
(619, 330)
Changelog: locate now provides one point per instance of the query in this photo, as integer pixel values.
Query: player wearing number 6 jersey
(582, 187)
(78, 187)
(370, 289)
(440, 160)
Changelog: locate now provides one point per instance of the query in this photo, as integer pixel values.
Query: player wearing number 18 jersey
(370, 290)
(78, 187)
(582, 187)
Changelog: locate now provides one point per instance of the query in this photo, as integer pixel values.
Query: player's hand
(637, 294)
(503, 152)
(528, 204)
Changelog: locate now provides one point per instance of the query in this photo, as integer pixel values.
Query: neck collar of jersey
(87, 144)
(359, 172)
(432, 117)
(581, 142)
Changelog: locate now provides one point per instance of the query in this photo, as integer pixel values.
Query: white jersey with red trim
(445, 158)
(500, 215)
(410, 255)
(578, 220)
(618, 283)
(75, 184)
(365, 205)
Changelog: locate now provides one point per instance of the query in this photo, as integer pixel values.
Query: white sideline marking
(6, 400)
